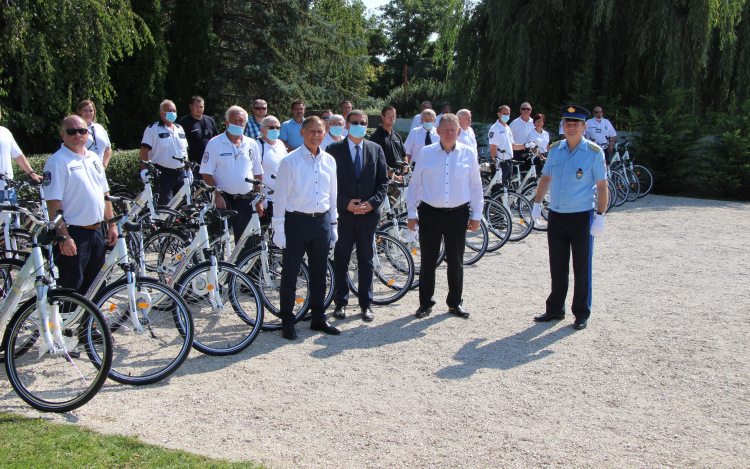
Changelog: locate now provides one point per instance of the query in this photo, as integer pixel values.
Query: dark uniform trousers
(78, 272)
(518, 156)
(361, 235)
(170, 181)
(238, 223)
(436, 225)
(568, 232)
(311, 236)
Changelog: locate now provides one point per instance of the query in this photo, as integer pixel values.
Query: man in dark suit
(362, 179)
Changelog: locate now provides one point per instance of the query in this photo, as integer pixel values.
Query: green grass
(38, 443)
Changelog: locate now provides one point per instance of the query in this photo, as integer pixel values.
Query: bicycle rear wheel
(56, 381)
(520, 209)
(393, 272)
(645, 179)
(227, 311)
(530, 193)
(634, 187)
(498, 223)
(476, 244)
(412, 247)
(160, 349)
(621, 188)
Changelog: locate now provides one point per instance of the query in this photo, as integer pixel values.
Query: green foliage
(27, 443)
(55, 53)
(726, 165)
(668, 137)
(123, 167)
(407, 102)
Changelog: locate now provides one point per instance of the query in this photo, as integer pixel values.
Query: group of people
(326, 184)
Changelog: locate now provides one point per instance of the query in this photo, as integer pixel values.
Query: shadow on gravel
(366, 337)
(509, 352)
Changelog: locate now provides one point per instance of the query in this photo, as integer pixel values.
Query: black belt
(312, 215)
(451, 209)
(93, 227)
(172, 170)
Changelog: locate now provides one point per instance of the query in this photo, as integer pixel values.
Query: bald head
(73, 122)
(79, 130)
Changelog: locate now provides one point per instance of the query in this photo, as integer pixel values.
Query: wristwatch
(600, 213)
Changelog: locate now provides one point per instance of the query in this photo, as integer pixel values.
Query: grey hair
(334, 117)
(462, 112)
(429, 112)
(164, 103)
(268, 119)
(235, 109)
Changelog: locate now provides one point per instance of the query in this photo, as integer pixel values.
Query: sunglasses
(260, 108)
(358, 123)
(76, 131)
(326, 118)
(273, 127)
(526, 109)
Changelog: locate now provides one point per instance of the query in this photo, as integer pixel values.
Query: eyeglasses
(272, 127)
(326, 118)
(390, 117)
(526, 109)
(358, 123)
(598, 112)
(76, 131)
(260, 108)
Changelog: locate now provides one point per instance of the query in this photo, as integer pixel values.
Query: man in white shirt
(446, 181)
(162, 141)
(501, 142)
(9, 150)
(445, 109)
(520, 127)
(601, 131)
(272, 151)
(305, 222)
(467, 136)
(425, 134)
(417, 121)
(229, 159)
(75, 182)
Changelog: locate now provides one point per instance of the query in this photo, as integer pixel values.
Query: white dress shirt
(416, 122)
(446, 180)
(541, 140)
(305, 183)
(437, 119)
(230, 164)
(521, 129)
(467, 137)
(415, 141)
(327, 140)
(502, 137)
(271, 156)
(353, 152)
(599, 131)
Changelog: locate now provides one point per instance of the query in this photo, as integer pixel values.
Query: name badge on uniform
(579, 173)
(164, 135)
(96, 167)
(182, 135)
(598, 130)
(225, 154)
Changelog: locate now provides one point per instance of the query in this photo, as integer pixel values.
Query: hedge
(123, 167)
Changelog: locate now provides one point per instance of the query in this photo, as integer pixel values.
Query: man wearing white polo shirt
(9, 150)
(520, 127)
(75, 182)
(501, 142)
(602, 132)
(229, 159)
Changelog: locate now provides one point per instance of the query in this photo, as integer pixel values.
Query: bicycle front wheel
(645, 179)
(227, 310)
(165, 337)
(530, 193)
(476, 244)
(498, 223)
(57, 377)
(621, 189)
(393, 270)
(520, 213)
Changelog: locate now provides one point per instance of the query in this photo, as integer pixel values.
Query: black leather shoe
(367, 314)
(423, 311)
(324, 327)
(549, 317)
(580, 323)
(287, 331)
(459, 311)
(339, 312)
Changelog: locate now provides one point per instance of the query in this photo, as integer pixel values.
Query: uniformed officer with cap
(161, 141)
(574, 173)
(75, 182)
(229, 159)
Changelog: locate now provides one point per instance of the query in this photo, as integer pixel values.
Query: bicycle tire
(9, 269)
(530, 193)
(634, 186)
(23, 244)
(621, 188)
(520, 211)
(42, 378)
(476, 241)
(251, 264)
(148, 357)
(392, 276)
(160, 250)
(233, 327)
(498, 223)
(412, 246)
(645, 179)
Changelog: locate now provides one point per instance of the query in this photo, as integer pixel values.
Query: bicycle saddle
(45, 238)
(226, 213)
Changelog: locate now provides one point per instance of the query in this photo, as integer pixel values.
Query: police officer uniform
(600, 132)
(163, 143)
(574, 173)
(79, 183)
(229, 165)
(468, 138)
(98, 140)
(501, 136)
(418, 138)
(8, 150)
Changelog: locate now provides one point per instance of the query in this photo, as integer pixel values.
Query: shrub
(407, 102)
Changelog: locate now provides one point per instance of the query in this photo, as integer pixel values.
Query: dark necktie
(427, 139)
(357, 162)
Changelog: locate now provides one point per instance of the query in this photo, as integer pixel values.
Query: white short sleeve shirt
(163, 143)
(79, 182)
(230, 164)
(98, 140)
(599, 132)
(521, 129)
(8, 150)
(541, 140)
(415, 141)
(271, 156)
(467, 137)
(502, 137)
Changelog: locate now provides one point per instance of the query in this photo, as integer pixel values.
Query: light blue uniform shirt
(290, 133)
(574, 175)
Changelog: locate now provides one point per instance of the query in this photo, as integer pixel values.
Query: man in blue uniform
(575, 172)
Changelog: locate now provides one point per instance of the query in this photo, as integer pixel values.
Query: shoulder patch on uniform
(205, 157)
(595, 147)
(555, 144)
(46, 178)
(492, 134)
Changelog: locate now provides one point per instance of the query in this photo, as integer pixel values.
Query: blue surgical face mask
(235, 129)
(505, 118)
(273, 134)
(171, 116)
(428, 125)
(336, 131)
(357, 131)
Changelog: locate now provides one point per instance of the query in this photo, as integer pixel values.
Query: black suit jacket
(372, 185)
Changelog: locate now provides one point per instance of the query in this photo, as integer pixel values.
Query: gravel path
(659, 379)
